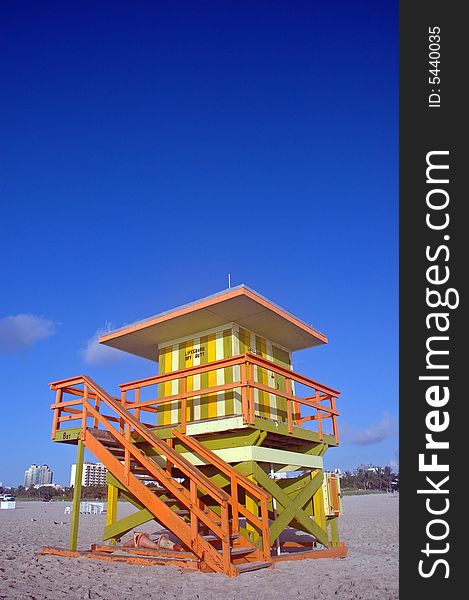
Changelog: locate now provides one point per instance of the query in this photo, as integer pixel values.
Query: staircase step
(105, 437)
(240, 551)
(215, 538)
(253, 566)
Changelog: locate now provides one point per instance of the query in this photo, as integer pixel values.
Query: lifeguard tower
(223, 447)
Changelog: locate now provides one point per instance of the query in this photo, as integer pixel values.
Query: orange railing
(321, 401)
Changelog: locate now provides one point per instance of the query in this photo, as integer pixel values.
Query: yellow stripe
(212, 375)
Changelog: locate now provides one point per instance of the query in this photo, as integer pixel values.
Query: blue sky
(149, 149)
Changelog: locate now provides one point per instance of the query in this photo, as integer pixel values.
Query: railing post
(244, 394)
(95, 420)
(127, 453)
(251, 398)
(289, 405)
(121, 421)
(225, 542)
(169, 464)
(335, 430)
(234, 505)
(55, 421)
(137, 400)
(194, 518)
(85, 409)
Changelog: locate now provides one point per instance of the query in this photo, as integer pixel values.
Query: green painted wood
(292, 508)
(75, 517)
(245, 468)
(67, 435)
(333, 524)
(298, 432)
(126, 524)
(219, 479)
(290, 486)
(262, 436)
(283, 501)
(217, 441)
(113, 481)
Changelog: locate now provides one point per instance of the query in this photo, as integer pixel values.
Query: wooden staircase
(202, 515)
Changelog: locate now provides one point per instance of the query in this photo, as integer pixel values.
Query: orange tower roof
(239, 305)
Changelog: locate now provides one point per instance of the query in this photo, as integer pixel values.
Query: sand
(369, 526)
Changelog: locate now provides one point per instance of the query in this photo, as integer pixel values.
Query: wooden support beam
(292, 508)
(252, 505)
(333, 524)
(294, 511)
(319, 512)
(119, 528)
(75, 518)
(111, 513)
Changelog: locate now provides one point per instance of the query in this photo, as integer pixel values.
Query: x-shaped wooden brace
(292, 508)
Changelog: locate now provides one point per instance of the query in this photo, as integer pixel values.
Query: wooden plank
(75, 517)
(340, 552)
(334, 532)
(135, 560)
(145, 552)
(253, 566)
(111, 511)
(67, 435)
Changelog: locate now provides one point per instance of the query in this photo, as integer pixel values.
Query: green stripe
(181, 365)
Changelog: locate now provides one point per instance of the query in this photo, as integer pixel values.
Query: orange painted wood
(340, 552)
(55, 421)
(207, 302)
(158, 508)
(251, 398)
(244, 395)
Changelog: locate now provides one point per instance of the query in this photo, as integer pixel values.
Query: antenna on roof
(229, 280)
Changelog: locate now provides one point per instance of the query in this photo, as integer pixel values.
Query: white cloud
(23, 330)
(97, 354)
(375, 433)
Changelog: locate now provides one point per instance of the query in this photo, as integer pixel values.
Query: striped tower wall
(216, 344)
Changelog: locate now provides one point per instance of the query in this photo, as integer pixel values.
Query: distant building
(37, 475)
(93, 474)
(367, 468)
(56, 486)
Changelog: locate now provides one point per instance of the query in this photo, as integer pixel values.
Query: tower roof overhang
(240, 305)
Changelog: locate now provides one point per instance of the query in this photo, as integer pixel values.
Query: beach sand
(369, 527)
